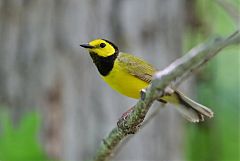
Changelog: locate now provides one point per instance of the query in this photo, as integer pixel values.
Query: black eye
(102, 45)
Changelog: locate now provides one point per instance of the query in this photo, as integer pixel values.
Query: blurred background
(54, 105)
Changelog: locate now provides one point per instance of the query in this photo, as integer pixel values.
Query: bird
(128, 75)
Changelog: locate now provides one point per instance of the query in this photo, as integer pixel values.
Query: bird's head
(101, 47)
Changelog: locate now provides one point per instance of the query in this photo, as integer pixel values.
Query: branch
(195, 58)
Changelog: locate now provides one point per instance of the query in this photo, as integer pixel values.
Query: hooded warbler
(128, 75)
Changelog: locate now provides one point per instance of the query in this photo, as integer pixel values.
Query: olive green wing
(136, 67)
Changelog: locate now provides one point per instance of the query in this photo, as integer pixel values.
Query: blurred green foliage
(217, 139)
(20, 141)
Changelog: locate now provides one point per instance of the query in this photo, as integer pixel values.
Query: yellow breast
(123, 82)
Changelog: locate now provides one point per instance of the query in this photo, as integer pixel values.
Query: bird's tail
(190, 109)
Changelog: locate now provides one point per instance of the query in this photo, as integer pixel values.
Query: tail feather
(203, 110)
(191, 110)
(190, 114)
(185, 109)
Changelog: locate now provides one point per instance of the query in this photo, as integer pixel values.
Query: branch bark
(183, 66)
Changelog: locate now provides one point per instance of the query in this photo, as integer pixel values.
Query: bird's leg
(162, 100)
(143, 94)
(166, 92)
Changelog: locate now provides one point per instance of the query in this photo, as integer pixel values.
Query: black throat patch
(104, 64)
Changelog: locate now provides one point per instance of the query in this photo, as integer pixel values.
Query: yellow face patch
(102, 48)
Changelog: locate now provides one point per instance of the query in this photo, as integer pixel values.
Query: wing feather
(136, 67)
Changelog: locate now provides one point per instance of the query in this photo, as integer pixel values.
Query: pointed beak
(87, 46)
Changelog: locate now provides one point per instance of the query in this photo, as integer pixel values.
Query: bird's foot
(143, 94)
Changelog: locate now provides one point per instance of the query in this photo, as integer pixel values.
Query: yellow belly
(124, 83)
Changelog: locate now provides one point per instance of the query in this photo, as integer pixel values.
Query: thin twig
(203, 61)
